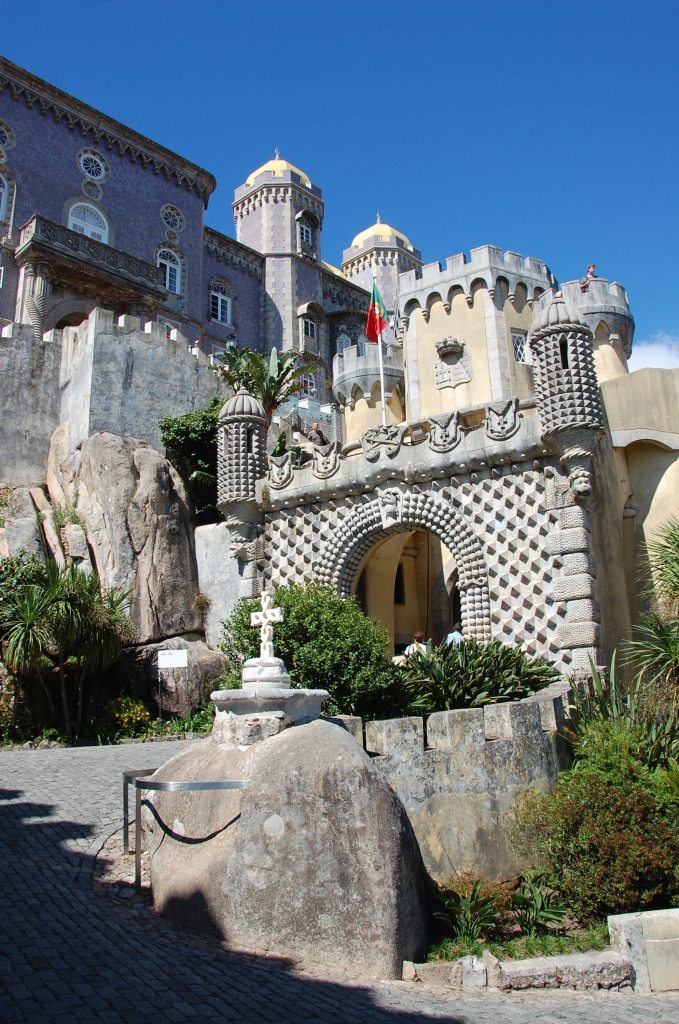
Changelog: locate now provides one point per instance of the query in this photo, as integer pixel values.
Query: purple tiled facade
(270, 276)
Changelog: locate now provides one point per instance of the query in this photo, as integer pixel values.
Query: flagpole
(379, 350)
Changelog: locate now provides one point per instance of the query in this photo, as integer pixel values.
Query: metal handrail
(137, 777)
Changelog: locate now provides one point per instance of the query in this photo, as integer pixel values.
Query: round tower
(241, 460)
(567, 389)
(241, 447)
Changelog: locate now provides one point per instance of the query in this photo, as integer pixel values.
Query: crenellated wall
(459, 785)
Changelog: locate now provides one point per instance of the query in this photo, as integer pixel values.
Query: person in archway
(456, 636)
(417, 645)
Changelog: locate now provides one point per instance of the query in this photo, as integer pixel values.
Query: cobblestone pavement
(67, 956)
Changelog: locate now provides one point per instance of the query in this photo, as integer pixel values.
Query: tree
(272, 382)
(27, 639)
(191, 446)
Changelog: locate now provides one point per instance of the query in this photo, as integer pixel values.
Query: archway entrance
(409, 583)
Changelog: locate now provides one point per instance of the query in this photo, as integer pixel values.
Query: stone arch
(373, 519)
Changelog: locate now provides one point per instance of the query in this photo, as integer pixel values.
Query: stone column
(496, 343)
(37, 274)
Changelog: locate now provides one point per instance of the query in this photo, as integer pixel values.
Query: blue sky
(546, 128)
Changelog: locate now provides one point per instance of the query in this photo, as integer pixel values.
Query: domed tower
(384, 252)
(241, 460)
(567, 389)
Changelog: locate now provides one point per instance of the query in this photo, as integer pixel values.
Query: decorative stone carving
(503, 419)
(385, 438)
(390, 503)
(567, 389)
(454, 365)
(326, 460)
(445, 433)
(281, 470)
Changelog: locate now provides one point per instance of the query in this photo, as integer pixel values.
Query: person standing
(316, 435)
(417, 646)
(456, 636)
(589, 276)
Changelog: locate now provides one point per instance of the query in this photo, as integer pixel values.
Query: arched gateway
(394, 511)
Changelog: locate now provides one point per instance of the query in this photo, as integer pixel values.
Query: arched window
(170, 271)
(220, 304)
(88, 221)
(309, 385)
(3, 198)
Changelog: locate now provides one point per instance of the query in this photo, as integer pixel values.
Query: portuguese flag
(377, 316)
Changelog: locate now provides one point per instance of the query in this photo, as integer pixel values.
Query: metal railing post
(137, 837)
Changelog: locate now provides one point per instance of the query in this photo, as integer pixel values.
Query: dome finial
(278, 153)
(378, 218)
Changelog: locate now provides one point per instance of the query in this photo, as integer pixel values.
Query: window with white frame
(3, 197)
(310, 329)
(220, 305)
(309, 385)
(520, 346)
(170, 271)
(305, 233)
(87, 220)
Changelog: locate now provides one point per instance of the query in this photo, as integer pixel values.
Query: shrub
(191, 446)
(472, 674)
(326, 643)
(126, 717)
(609, 834)
(655, 737)
(536, 906)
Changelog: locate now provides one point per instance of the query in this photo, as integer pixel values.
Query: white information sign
(173, 659)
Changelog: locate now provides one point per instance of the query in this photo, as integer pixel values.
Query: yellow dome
(277, 166)
(383, 231)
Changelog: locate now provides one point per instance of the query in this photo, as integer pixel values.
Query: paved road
(66, 957)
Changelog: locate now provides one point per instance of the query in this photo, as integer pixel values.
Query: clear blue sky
(546, 128)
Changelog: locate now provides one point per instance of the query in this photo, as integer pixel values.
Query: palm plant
(272, 382)
(471, 674)
(26, 640)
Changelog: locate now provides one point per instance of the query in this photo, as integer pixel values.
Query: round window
(172, 218)
(93, 165)
(7, 136)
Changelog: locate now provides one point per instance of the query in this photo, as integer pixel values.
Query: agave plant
(535, 906)
(468, 916)
(472, 674)
(607, 698)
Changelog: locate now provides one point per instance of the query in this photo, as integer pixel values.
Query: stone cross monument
(266, 689)
(266, 619)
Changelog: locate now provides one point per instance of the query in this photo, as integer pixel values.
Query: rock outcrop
(136, 516)
(181, 689)
(315, 859)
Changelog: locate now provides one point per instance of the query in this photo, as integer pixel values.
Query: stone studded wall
(525, 573)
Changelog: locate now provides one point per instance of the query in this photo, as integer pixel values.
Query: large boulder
(138, 526)
(21, 525)
(315, 859)
(180, 689)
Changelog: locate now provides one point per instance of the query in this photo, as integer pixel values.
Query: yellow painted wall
(518, 317)
(423, 556)
(609, 359)
(468, 325)
(365, 414)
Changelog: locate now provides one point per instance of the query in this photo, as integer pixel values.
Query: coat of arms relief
(454, 365)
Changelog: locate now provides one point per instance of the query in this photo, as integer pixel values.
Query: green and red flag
(377, 316)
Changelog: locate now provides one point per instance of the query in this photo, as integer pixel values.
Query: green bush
(326, 643)
(609, 834)
(469, 917)
(605, 698)
(471, 674)
(191, 446)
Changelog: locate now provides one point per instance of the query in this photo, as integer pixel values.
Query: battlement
(487, 264)
(352, 368)
(270, 179)
(459, 788)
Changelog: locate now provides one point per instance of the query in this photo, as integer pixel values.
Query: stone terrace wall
(459, 789)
